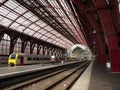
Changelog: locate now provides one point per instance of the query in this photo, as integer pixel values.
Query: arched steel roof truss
(49, 20)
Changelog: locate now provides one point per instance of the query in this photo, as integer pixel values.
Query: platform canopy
(50, 20)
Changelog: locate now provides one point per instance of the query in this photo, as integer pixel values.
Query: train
(27, 59)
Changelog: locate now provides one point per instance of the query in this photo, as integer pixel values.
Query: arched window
(17, 47)
(27, 49)
(35, 49)
(5, 45)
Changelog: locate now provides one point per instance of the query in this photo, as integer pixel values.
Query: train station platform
(97, 77)
(19, 70)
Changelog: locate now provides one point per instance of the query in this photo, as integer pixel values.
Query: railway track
(61, 79)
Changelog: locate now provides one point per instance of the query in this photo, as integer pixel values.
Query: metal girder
(83, 20)
(94, 10)
(40, 11)
(110, 33)
(73, 8)
(70, 20)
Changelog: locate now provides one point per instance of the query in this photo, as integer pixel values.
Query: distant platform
(18, 70)
(97, 77)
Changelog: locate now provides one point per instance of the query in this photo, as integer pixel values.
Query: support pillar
(110, 35)
(38, 49)
(31, 47)
(24, 43)
(12, 44)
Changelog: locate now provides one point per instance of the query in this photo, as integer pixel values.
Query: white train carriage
(23, 58)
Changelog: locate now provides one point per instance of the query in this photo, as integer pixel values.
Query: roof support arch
(110, 34)
(95, 33)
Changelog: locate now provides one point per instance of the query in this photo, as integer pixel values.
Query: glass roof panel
(47, 27)
(20, 28)
(33, 19)
(11, 4)
(27, 30)
(11, 15)
(6, 22)
(3, 11)
(26, 23)
(43, 2)
(20, 10)
(43, 24)
(49, 40)
(49, 34)
(32, 26)
(31, 32)
(27, 15)
(39, 22)
(54, 41)
(20, 20)
(50, 29)
(14, 25)
(37, 35)
(43, 31)
(54, 32)
(37, 28)
(44, 37)
(50, 10)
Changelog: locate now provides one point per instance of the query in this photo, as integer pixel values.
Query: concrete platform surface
(97, 77)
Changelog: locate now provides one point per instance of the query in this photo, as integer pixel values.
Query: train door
(21, 60)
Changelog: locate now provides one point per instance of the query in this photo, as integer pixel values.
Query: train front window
(13, 56)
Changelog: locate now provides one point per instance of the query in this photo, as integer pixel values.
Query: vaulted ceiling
(60, 22)
(49, 20)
